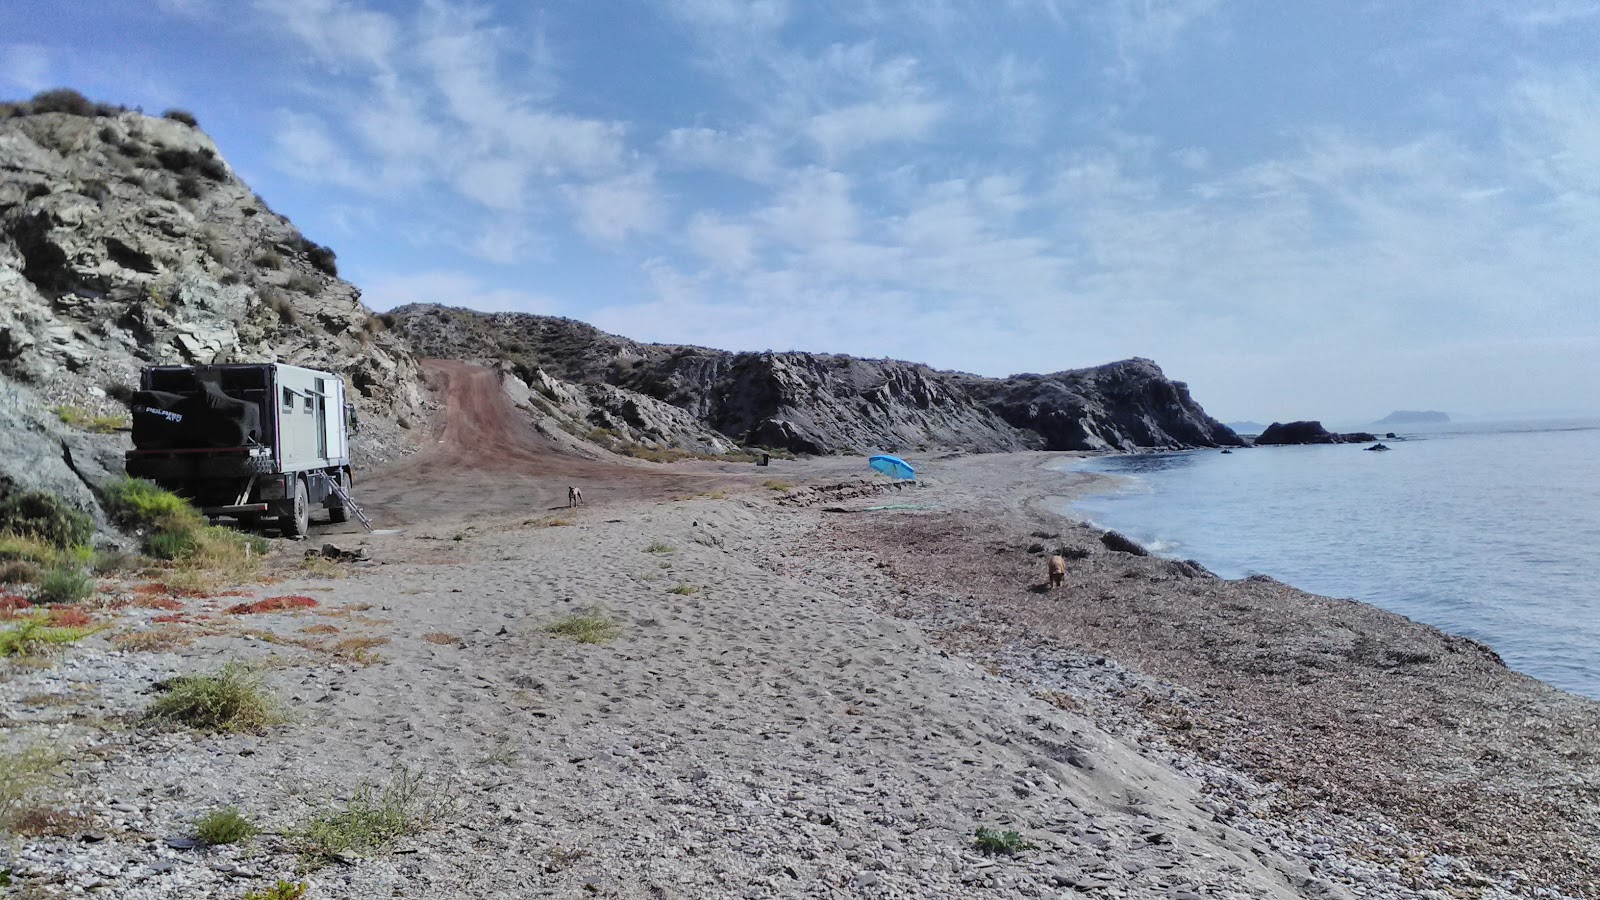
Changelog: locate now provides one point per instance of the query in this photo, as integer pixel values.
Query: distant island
(1413, 417)
(1246, 427)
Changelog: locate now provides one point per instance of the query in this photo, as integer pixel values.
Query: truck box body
(245, 439)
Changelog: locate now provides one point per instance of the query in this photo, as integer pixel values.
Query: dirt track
(489, 461)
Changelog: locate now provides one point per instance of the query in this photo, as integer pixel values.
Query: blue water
(1491, 531)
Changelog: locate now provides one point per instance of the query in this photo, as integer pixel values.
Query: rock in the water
(1308, 432)
(1121, 543)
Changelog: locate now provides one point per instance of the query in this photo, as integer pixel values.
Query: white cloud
(307, 151)
(817, 209)
(751, 154)
(724, 245)
(615, 209)
(451, 288)
(337, 33)
(842, 131)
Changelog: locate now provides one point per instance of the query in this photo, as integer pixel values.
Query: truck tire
(298, 522)
(337, 513)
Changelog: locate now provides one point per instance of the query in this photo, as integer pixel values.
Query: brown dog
(1058, 570)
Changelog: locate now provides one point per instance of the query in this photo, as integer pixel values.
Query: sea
(1489, 530)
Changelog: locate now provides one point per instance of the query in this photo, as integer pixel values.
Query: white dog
(574, 497)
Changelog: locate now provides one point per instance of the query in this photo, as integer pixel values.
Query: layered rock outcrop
(817, 403)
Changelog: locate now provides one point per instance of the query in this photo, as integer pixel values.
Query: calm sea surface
(1491, 531)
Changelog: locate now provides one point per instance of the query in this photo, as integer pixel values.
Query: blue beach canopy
(893, 466)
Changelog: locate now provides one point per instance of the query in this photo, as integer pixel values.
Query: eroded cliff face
(126, 240)
(813, 403)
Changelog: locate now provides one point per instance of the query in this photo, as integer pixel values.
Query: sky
(1326, 209)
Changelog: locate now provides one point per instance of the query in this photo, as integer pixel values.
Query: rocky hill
(1415, 417)
(126, 240)
(670, 395)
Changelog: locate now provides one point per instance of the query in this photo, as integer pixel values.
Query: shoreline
(1534, 652)
(1395, 719)
(803, 703)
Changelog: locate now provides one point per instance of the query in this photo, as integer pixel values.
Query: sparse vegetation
(230, 700)
(282, 890)
(659, 547)
(65, 100)
(35, 636)
(993, 842)
(77, 417)
(589, 627)
(372, 817)
(224, 826)
(302, 283)
(775, 485)
(440, 637)
(66, 583)
(272, 299)
(684, 590)
(268, 259)
(20, 571)
(206, 555)
(155, 640)
(138, 503)
(548, 522)
(45, 518)
(322, 258)
(181, 115)
(23, 774)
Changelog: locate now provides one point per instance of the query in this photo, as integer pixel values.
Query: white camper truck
(248, 440)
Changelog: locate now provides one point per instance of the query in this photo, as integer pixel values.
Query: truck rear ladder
(337, 489)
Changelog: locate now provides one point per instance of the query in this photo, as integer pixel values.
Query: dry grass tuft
(590, 627)
(440, 637)
(231, 700)
(320, 629)
(156, 640)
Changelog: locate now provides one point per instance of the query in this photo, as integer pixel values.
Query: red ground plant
(274, 604)
(154, 602)
(167, 619)
(67, 617)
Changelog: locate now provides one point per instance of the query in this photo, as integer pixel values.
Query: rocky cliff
(126, 240)
(811, 403)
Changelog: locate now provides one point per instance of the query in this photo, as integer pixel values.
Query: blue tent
(893, 466)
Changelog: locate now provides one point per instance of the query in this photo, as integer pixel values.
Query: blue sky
(1305, 210)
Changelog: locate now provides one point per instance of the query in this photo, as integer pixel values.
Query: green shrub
(282, 890)
(77, 417)
(62, 100)
(46, 517)
(181, 115)
(232, 699)
(224, 826)
(20, 571)
(138, 503)
(590, 627)
(32, 637)
(322, 258)
(372, 817)
(1001, 843)
(169, 544)
(65, 584)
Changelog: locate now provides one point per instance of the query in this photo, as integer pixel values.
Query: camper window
(288, 400)
(308, 406)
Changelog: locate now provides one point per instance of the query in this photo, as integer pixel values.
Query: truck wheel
(297, 523)
(338, 514)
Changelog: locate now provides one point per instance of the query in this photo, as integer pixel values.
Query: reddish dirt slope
(488, 461)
